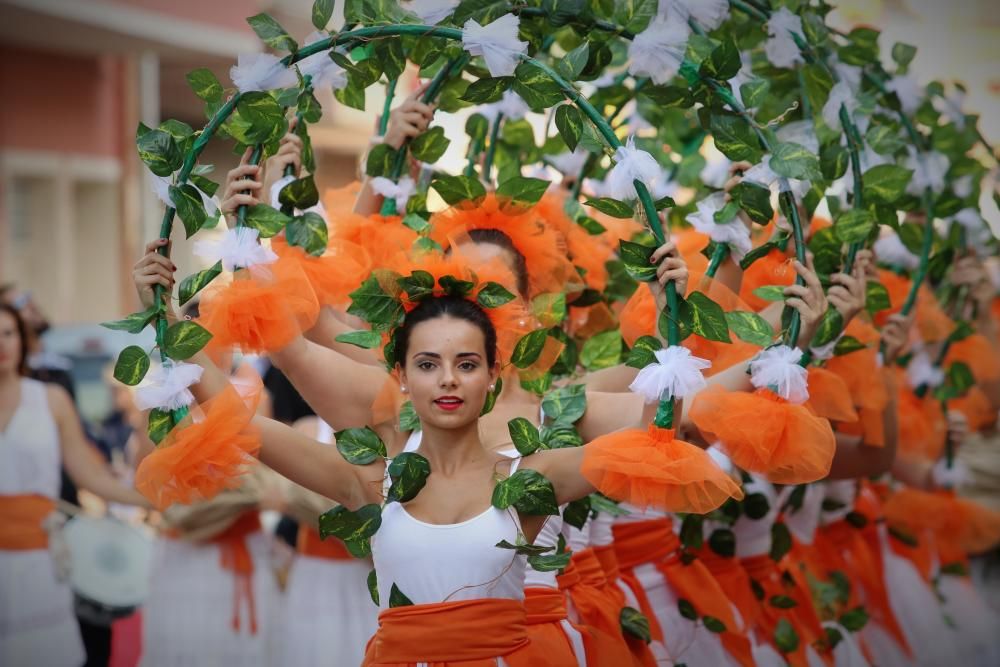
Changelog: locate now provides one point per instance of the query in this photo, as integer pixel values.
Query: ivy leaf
(372, 576)
(536, 88)
(408, 472)
(569, 122)
(602, 351)
(643, 353)
(750, 327)
(755, 200)
(829, 327)
(854, 226)
(487, 90)
(636, 258)
(754, 91)
(134, 323)
(560, 436)
(550, 562)
(770, 292)
(493, 295)
(205, 85)
(691, 535)
(528, 348)
(734, 137)
(455, 189)
(272, 34)
(397, 598)
(430, 146)
(528, 491)
(308, 231)
(266, 220)
(687, 610)
(760, 251)
(903, 55)
(785, 637)
(577, 512)
(523, 190)
(782, 602)
(455, 287)
(196, 282)
(300, 193)
(613, 207)
(565, 405)
(846, 345)
(354, 529)
(884, 139)
(159, 151)
(417, 285)
(886, 183)
(160, 423)
(635, 624)
(571, 65)
(756, 506)
(524, 435)
(265, 116)
(854, 620)
(713, 624)
(793, 160)
(522, 549)
(374, 305)
(723, 542)
(184, 339)
(322, 11)
(380, 160)
(724, 62)
(132, 365)
(781, 541)
(702, 316)
(876, 297)
(549, 308)
(833, 161)
(491, 398)
(364, 339)
(360, 446)
(667, 97)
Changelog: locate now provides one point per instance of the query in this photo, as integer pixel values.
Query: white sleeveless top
(432, 563)
(29, 446)
(753, 536)
(548, 536)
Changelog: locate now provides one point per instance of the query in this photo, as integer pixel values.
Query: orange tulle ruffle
(761, 432)
(976, 407)
(923, 429)
(652, 468)
(587, 251)
(978, 354)
(205, 453)
(829, 396)
(774, 268)
(334, 274)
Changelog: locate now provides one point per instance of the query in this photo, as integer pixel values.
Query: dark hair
(446, 306)
(501, 240)
(22, 330)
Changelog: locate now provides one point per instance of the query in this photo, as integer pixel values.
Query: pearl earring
(402, 389)
(493, 387)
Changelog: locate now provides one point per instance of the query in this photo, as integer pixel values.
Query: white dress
(37, 624)
(330, 613)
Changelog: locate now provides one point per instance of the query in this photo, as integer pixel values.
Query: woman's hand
(671, 267)
(895, 336)
(409, 119)
(849, 291)
(289, 153)
(808, 299)
(242, 187)
(153, 269)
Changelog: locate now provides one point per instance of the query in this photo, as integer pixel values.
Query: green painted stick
(491, 148)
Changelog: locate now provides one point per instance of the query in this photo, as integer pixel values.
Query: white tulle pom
(781, 49)
(631, 164)
(709, 14)
(889, 249)
(777, 368)
(260, 71)
(676, 374)
(950, 477)
(511, 105)
(715, 173)
(401, 192)
(431, 12)
(921, 372)
(824, 352)
(733, 233)
(568, 163)
(840, 95)
(929, 170)
(238, 248)
(276, 190)
(907, 90)
(167, 387)
(161, 186)
(320, 66)
(657, 51)
(496, 42)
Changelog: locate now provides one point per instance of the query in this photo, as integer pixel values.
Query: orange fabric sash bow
(583, 583)
(21, 519)
(642, 655)
(466, 633)
(235, 557)
(545, 610)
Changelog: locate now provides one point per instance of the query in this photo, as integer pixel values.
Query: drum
(109, 566)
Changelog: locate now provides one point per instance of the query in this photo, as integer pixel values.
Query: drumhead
(110, 561)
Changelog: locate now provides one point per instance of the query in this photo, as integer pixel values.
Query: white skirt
(977, 625)
(885, 650)
(37, 623)
(188, 618)
(846, 653)
(329, 613)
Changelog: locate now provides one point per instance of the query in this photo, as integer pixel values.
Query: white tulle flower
(496, 42)
(889, 249)
(675, 374)
(715, 173)
(511, 105)
(840, 95)
(631, 164)
(929, 170)
(161, 186)
(238, 248)
(401, 192)
(921, 371)
(781, 49)
(977, 232)
(907, 90)
(657, 51)
(849, 74)
(762, 174)
(709, 14)
(568, 163)
(962, 187)
(734, 233)
(260, 71)
(801, 132)
(777, 368)
(664, 186)
(951, 476)
(276, 190)
(951, 106)
(320, 66)
(431, 12)
(166, 388)
(745, 75)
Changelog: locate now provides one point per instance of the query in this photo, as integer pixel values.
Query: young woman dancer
(39, 431)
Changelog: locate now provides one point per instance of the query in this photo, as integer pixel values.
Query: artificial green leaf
(902, 54)
(770, 292)
(571, 65)
(132, 365)
(493, 295)
(355, 529)
(372, 576)
(756, 506)
(363, 339)
(455, 189)
(854, 620)
(691, 535)
(884, 139)
(603, 350)
(488, 90)
(549, 308)
(266, 220)
(322, 11)
(528, 491)
(643, 353)
(577, 512)
(430, 146)
(634, 624)
(417, 285)
(372, 303)
(785, 637)
(885, 183)
(713, 624)
(160, 423)
(524, 435)
(613, 207)
(397, 598)
(604, 505)
(360, 446)
(636, 258)
(491, 397)
(300, 193)
(184, 339)
(196, 282)
(667, 97)
(833, 161)
(455, 287)
(854, 226)
(272, 34)
(550, 562)
(781, 541)
(528, 348)
(523, 190)
(762, 250)
(408, 419)
(536, 88)
(723, 63)
(782, 602)
(755, 200)
(265, 116)
(308, 231)
(876, 297)
(569, 122)
(754, 91)
(565, 405)
(408, 472)
(523, 549)
(134, 323)
(416, 222)
(846, 345)
(734, 137)
(750, 327)
(702, 316)
(793, 160)
(205, 85)
(723, 542)
(380, 160)
(207, 186)
(687, 610)
(159, 151)
(817, 81)
(190, 208)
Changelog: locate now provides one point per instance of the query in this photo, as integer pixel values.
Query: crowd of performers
(797, 544)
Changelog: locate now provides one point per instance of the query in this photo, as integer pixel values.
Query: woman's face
(10, 343)
(447, 375)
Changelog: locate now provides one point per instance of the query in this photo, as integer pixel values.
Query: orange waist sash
(470, 633)
(309, 543)
(21, 519)
(544, 605)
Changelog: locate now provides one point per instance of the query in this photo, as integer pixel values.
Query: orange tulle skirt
(652, 468)
(860, 372)
(205, 453)
(761, 432)
(978, 354)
